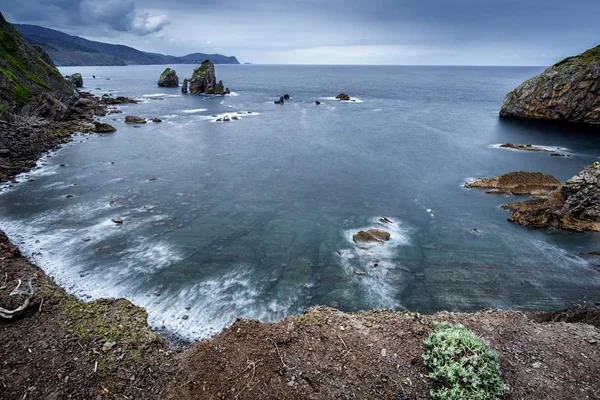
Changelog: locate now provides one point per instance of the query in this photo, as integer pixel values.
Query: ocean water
(254, 217)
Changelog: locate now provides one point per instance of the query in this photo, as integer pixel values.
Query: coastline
(105, 349)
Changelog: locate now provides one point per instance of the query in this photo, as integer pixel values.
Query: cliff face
(25, 72)
(567, 91)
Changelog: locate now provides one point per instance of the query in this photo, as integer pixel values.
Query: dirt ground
(61, 348)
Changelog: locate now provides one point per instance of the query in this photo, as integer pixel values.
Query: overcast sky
(447, 32)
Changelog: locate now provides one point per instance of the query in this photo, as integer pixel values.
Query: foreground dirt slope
(58, 350)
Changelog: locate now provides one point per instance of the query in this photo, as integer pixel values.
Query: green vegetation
(591, 55)
(597, 164)
(463, 364)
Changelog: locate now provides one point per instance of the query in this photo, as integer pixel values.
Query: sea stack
(168, 78)
(567, 91)
(204, 80)
(184, 86)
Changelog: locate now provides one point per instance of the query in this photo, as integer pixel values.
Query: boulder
(286, 96)
(280, 101)
(156, 120)
(227, 91)
(567, 91)
(100, 127)
(574, 206)
(343, 97)
(184, 86)
(317, 102)
(132, 119)
(372, 235)
(168, 78)
(75, 80)
(204, 80)
(518, 183)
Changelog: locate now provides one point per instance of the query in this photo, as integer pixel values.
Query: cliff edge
(567, 91)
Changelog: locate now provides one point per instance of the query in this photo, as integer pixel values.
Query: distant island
(66, 50)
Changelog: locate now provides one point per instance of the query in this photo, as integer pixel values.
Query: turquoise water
(247, 218)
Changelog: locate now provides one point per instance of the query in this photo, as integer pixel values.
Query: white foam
(197, 110)
(155, 95)
(234, 94)
(378, 282)
(352, 100)
(244, 114)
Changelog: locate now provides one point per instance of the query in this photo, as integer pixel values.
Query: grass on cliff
(588, 56)
(463, 364)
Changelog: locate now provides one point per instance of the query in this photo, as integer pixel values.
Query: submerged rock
(573, 206)
(317, 102)
(526, 147)
(567, 91)
(343, 97)
(168, 78)
(156, 120)
(132, 119)
(518, 183)
(372, 235)
(204, 80)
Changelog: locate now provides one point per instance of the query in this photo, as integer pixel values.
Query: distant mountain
(67, 50)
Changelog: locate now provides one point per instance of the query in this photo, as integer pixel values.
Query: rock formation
(204, 80)
(184, 86)
(574, 206)
(343, 97)
(75, 80)
(518, 183)
(168, 78)
(567, 91)
(372, 235)
(132, 119)
(280, 101)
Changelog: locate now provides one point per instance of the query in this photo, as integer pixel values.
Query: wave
(198, 110)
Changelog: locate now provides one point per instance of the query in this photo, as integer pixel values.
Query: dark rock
(280, 101)
(100, 127)
(286, 96)
(132, 119)
(204, 80)
(317, 102)
(75, 79)
(343, 97)
(156, 120)
(526, 147)
(184, 86)
(168, 78)
(117, 220)
(567, 91)
(227, 91)
(573, 206)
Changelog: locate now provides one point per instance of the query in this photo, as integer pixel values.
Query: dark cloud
(86, 15)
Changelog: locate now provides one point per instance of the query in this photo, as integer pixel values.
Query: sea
(254, 217)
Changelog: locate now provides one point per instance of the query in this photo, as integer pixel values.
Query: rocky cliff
(567, 91)
(26, 74)
(204, 80)
(574, 206)
(168, 78)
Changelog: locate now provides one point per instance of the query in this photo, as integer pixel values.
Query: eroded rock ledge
(574, 206)
(567, 91)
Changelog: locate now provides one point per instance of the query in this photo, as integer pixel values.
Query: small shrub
(597, 164)
(463, 364)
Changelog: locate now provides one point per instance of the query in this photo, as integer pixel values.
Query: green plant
(463, 364)
(597, 164)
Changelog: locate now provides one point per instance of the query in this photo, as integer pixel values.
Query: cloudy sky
(447, 32)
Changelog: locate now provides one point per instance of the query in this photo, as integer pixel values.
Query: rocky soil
(567, 91)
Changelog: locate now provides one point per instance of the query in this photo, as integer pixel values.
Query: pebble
(117, 220)
(537, 365)
(383, 352)
(108, 346)
(86, 239)
(185, 317)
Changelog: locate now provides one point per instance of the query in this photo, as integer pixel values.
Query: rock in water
(184, 86)
(372, 235)
(204, 80)
(100, 127)
(168, 78)
(317, 102)
(518, 183)
(574, 206)
(567, 91)
(132, 119)
(280, 101)
(343, 97)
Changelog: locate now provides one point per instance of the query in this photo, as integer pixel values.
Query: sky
(389, 32)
